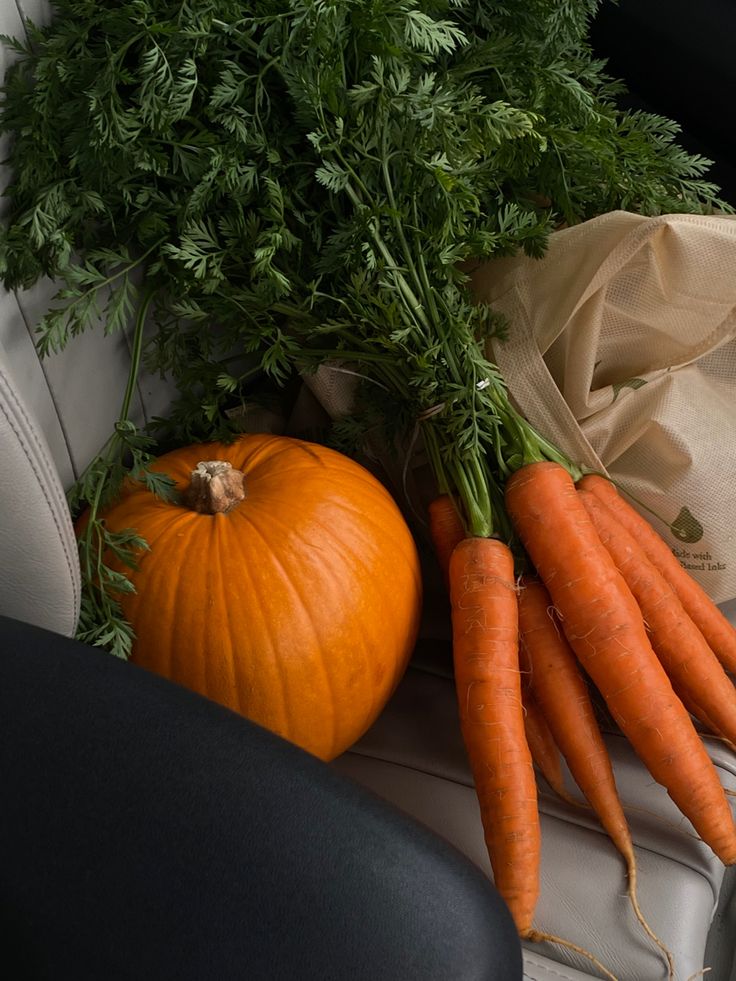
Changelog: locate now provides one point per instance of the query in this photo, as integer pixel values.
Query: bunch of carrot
(601, 596)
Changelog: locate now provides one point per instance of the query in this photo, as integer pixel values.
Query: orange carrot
(545, 752)
(546, 755)
(561, 692)
(700, 715)
(562, 695)
(605, 629)
(446, 530)
(701, 609)
(693, 668)
(485, 631)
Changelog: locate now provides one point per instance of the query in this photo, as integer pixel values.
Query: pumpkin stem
(215, 488)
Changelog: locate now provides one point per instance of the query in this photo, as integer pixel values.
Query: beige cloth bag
(621, 350)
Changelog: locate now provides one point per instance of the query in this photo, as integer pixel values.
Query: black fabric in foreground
(148, 834)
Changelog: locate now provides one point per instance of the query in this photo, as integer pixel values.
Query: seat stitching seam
(52, 504)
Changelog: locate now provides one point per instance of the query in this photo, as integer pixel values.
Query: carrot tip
(666, 952)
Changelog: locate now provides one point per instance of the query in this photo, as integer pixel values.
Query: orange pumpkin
(296, 603)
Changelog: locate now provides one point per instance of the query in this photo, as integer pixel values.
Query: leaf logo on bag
(686, 527)
(633, 383)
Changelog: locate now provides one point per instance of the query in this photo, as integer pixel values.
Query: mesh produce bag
(621, 349)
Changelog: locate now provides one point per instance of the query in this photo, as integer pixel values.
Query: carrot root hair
(539, 937)
(666, 952)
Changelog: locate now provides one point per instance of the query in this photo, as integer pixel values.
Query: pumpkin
(283, 583)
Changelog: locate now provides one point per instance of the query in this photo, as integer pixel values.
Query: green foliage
(101, 619)
(280, 184)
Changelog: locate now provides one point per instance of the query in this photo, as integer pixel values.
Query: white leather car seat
(55, 415)
(414, 756)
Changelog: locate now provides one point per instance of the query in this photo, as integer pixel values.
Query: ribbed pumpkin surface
(299, 608)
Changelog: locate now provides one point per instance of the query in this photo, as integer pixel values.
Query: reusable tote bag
(621, 349)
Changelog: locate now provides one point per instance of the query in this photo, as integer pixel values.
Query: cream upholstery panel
(39, 569)
(413, 756)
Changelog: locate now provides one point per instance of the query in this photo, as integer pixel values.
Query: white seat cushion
(39, 567)
(414, 756)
